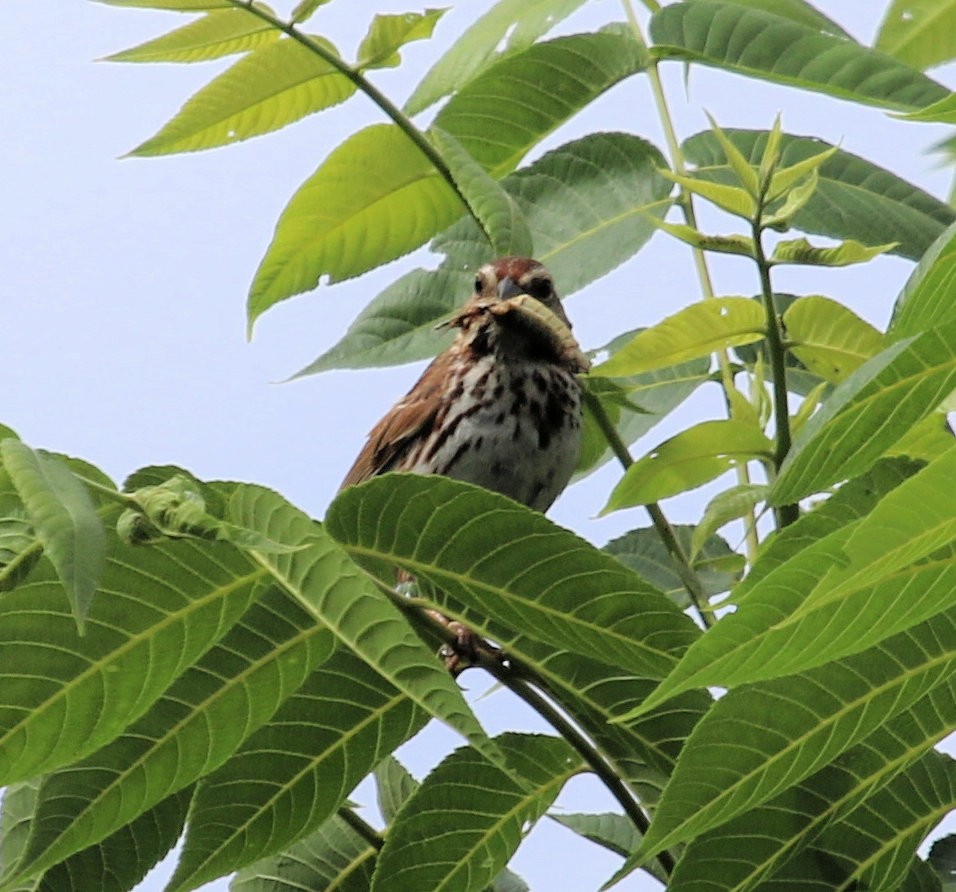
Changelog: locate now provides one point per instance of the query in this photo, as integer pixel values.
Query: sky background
(124, 281)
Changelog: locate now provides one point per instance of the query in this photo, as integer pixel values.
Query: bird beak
(508, 288)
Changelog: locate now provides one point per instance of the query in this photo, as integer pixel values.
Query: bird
(502, 406)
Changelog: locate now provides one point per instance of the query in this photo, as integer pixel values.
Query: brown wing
(410, 418)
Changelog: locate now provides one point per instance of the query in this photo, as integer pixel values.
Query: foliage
(193, 659)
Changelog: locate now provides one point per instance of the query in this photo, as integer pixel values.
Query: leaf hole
(506, 37)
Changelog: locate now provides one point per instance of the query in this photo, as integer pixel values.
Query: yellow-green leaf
(943, 111)
(796, 201)
(387, 33)
(722, 244)
(218, 33)
(731, 504)
(495, 210)
(269, 88)
(735, 158)
(921, 33)
(927, 440)
(304, 10)
(697, 330)
(787, 177)
(800, 251)
(732, 199)
(828, 338)
(692, 458)
(373, 199)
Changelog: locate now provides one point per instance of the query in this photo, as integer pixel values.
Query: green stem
(688, 576)
(686, 203)
(363, 829)
(114, 495)
(400, 119)
(786, 514)
(511, 678)
(516, 680)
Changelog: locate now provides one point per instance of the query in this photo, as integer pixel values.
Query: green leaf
(334, 857)
(852, 501)
(323, 580)
(374, 198)
(688, 460)
(763, 45)
(345, 220)
(473, 545)
(828, 338)
(748, 849)
(530, 93)
(595, 694)
(797, 11)
(65, 519)
(696, 331)
(846, 253)
(176, 5)
(854, 199)
(608, 179)
(290, 776)
(892, 541)
(927, 440)
(648, 398)
(889, 827)
(825, 602)
(108, 866)
(731, 504)
(870, 411)
(926, 299)
(921, 33)
(612, 831)
(16, 813)
(388, 33)
(270, 87)
(190, 731)
(517, 23)
(942, 858)
(716, 565)
(460, 828)
(158, 610)
(489, 203)
(218, 33)
(304, 10)
(764, 738)
(19, 547)
(395, 785)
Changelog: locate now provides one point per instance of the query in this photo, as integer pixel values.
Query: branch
(363, 829)
(511, 678)
(688, 575)
(686, 203)
(401, 120)
(786, 514)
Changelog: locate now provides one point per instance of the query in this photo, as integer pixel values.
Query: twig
(688, 575)
(686, 203)
(400, 119)
(363, 829)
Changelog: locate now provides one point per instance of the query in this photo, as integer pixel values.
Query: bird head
(509, 277)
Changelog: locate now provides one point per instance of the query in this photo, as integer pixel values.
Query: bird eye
(540, 288)
(477, 284)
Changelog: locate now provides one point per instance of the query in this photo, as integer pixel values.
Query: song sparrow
(501, 407)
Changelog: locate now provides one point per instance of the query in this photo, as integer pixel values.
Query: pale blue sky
(125, 280)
